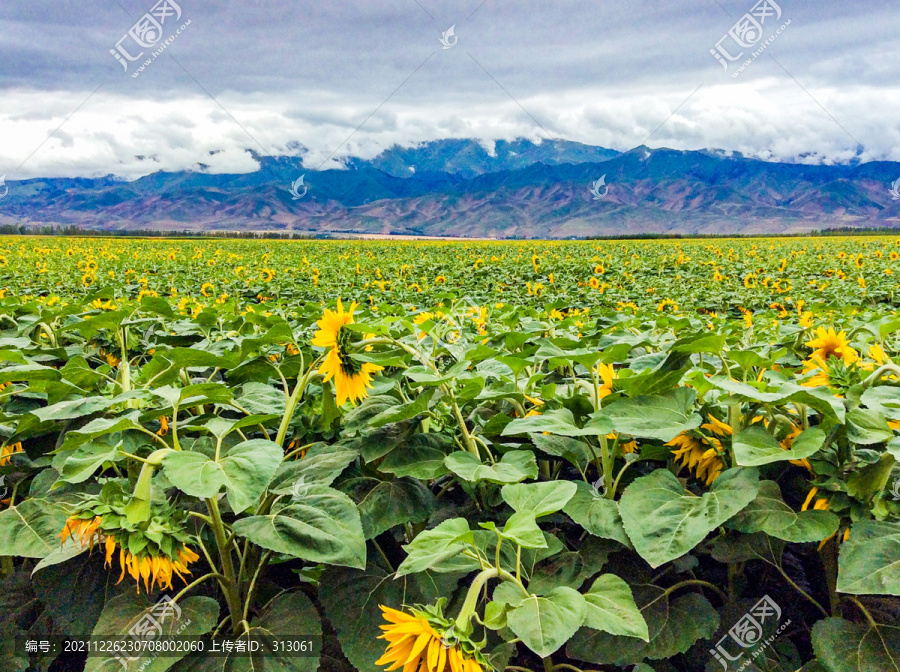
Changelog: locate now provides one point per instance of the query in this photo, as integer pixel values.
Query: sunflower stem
(292, 405)
(229, 584)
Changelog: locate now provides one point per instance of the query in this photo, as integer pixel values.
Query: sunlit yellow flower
(607, 375)
(667, 303)
(828, 343)
(266, 275)
(351, 378)
(416, 646)
(8, 451)
(206, 288)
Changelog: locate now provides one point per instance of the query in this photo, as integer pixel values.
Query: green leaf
(842, 646)
(561, 569)
(31, 528)
(422, 457)
(439, 549)
(323, 463)
(403, 411)
(192, 616)
(260, 399)
(82, 462)
(868, 481)
(101, 427)
(391, 503)
(867, 427)
(541, 499)
(768, 513)
(351, 600)
(672, 626)
(545, 623)
(611, 608)
(661, 417)
(324, 526)
(754, 447)
(560, 422)
(522, 529)
(513, 467)
(597, 515)
(577, 452)
(245, 471)
(869, 561)
(664, 521)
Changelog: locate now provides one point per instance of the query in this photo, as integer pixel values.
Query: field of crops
(642, 456)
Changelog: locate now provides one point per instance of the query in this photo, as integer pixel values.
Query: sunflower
(206, 288)
(594, 283)
(160, 567)
(8, 451)
(696, 455)
(351, 378)
(828, 343)
(607, 375)
(667, 302)
(421, 642)
(266, 275)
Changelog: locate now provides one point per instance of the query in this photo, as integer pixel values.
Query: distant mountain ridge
(460, 188)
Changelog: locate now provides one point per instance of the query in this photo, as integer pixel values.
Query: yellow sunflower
(416, 646)
(697, 456)
(607, 375)
(351, 378)
(827, 343)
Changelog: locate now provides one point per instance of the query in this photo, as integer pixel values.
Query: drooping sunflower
(8, 451)
(698, 455)
(424, 642)
(827, 344)
(155, 563)
(607, 374)
(351, 378)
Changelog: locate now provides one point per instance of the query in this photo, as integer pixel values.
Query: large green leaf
(559, 421)
(673, 626)
(193, 616)
(547, 622)
(661, 417)
(422, 457)
(611, 608)
(867, 427)
(395, 502)
(31, 528)
(768, 513)
(245, 470)
(322, 464)
(439, 549)
(664, 521)
(869, 562)
(596, 514)
(351, 599)
(81, 463)
(541, 499)
(754, 447)
(323, 526)
(513, 467)
(842, 646)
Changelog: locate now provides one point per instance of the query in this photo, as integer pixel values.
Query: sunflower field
(575, 456)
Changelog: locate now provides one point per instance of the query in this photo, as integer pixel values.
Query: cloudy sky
(325, 80)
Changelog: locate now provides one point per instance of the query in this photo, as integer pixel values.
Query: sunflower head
(150, 552)
(829, 344)
(351, 377)
(423, 640)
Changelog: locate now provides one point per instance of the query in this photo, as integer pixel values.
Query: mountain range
(463, 188)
